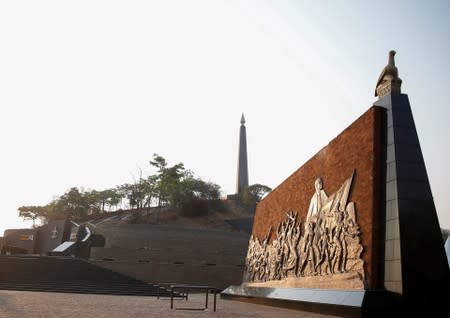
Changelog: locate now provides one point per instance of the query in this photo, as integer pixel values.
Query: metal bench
(184, 289)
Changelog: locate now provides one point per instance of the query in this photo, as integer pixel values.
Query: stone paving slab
(19, 304)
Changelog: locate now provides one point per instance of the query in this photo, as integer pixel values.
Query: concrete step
(67, 275)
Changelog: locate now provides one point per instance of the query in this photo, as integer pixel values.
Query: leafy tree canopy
(169, 186)
(254, 193)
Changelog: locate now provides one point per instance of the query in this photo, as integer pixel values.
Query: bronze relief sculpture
(326, 244)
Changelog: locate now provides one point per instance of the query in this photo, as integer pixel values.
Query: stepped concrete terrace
(163, 253)
(67, 275)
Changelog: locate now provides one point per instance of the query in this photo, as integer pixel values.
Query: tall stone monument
(242, 168)
(354, 230)
(414, 255)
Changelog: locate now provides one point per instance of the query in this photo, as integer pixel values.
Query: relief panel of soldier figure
(326, 245)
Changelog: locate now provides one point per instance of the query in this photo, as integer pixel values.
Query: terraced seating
(66, 274)
(161, 253)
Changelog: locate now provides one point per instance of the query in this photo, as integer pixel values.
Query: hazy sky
(89, 90)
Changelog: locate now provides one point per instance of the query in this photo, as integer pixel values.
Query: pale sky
(89, 90)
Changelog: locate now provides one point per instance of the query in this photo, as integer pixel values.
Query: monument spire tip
(388, 81)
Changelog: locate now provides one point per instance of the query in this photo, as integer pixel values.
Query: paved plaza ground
(19, 304)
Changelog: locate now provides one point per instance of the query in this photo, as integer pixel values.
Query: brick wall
(359, 148)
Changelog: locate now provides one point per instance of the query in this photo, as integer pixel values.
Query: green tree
(32, 213)
(99, 200)
(160, 163)
(197, 195)
(171, 185)
(73, 203)
(150, 190)
(204, 190)
(131, 192)
(167, 181)
(254, 193)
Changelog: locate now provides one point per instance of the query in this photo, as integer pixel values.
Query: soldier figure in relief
(308, 250)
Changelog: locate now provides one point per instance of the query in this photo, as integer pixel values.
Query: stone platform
(15, 304)
(344, 281)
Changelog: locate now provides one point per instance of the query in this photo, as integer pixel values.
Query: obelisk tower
(242, 173)
(414, 256)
